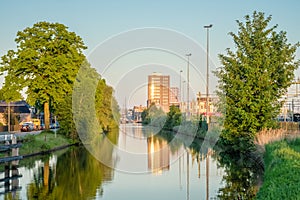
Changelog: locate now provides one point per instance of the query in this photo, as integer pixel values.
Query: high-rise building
(159, 91)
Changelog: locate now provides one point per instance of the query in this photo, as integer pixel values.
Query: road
(21, 134)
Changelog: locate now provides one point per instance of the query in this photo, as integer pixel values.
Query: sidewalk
(20, 134)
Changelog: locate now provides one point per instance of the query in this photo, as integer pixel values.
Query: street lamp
(183, 85)
(207, 71)
(180, 86)
(188, 85)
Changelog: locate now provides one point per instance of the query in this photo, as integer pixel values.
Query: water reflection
(242, 173)
(77, 175)
(176, 170)
(158, 155)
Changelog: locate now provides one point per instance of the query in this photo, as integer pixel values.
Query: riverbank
(282, 170)
(42, 143)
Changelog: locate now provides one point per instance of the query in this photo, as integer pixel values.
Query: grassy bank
(42, 142)
(282, 171)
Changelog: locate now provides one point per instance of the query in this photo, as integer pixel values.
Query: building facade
(174, 96)
(137, 113)
(159, 91)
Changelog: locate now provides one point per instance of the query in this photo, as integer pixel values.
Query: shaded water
(158, 169)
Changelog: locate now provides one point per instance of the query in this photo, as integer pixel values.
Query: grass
(42, 142)
(282, 171)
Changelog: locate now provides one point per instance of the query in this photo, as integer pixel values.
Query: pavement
(21, 134)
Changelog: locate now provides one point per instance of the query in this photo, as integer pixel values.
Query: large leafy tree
(254, 76)
(154, 116)
(45, 63)
(91, 105)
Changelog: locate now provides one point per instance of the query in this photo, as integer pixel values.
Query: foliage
(202, 126)
(46, 62)
(65, 117)
(174, 117)
(153, 116)
(107, 109)
(254, 77)
(9, 92)
(282, 174)
(94, 108)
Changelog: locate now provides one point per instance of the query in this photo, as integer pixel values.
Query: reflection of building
(158, 91)
(158, 155)
(174, 96)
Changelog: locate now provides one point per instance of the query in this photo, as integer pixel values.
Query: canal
(135, 164)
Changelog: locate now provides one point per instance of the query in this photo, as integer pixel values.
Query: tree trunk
(46, 115)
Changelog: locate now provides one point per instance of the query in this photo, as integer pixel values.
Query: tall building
(159, 91)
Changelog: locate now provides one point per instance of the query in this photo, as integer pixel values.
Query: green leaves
(255, 75)
(46, 61)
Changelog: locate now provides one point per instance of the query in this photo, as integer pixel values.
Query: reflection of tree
(43, 183)
(78, 175)
(242, 174)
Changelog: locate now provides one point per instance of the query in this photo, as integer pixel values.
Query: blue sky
(97, 20)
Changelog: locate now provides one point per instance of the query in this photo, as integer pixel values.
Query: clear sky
(96, 21)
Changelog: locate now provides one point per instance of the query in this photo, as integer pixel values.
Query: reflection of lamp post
(207, 71)
(188, 86)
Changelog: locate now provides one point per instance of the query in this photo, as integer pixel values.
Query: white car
(27, 126)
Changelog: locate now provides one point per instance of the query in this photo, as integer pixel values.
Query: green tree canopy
(45, 63)
(174, 118)
(254, 76)
(154, 116)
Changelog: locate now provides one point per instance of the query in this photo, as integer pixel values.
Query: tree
(254, 77)
(107, 109)
(9, 93)
(46, 62)
(91, 104)
(173, 118)
(154, 116)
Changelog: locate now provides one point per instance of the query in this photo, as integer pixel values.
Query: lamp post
(180, 94)
(183, 85)
(207, 71)
(188, 86)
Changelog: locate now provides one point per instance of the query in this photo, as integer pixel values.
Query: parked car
(27, 126)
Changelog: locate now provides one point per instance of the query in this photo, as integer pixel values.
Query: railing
(7, 137)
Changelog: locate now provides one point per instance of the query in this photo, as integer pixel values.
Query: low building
(19, 111)
(137, 113)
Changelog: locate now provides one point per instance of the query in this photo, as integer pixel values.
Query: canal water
(135, 164)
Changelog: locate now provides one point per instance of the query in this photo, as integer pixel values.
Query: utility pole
(188, 86)
(207, 72)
